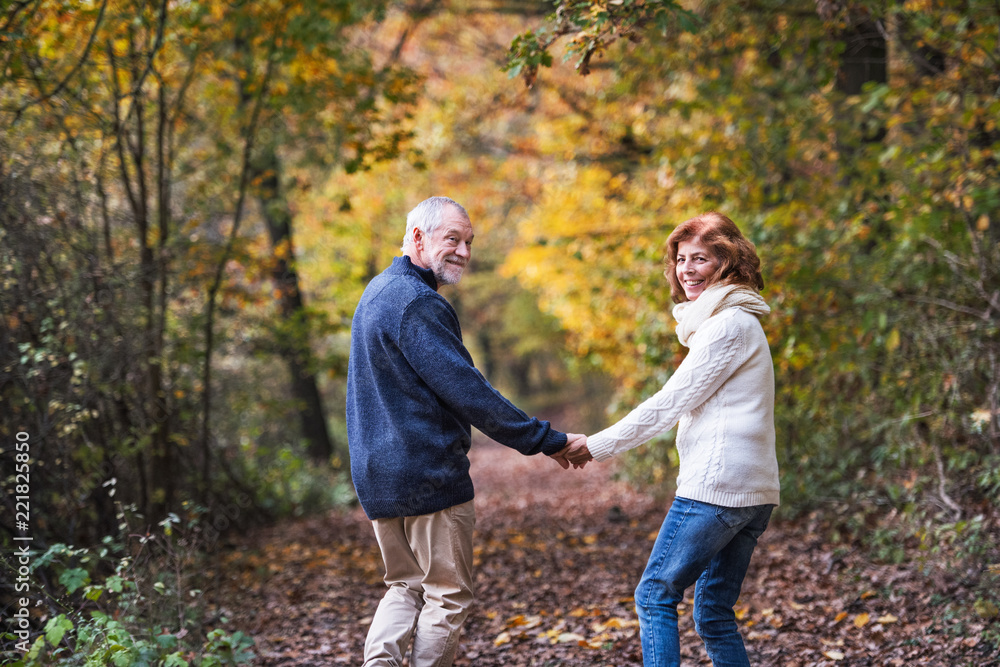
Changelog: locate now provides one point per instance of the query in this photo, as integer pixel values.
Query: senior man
(412, 394)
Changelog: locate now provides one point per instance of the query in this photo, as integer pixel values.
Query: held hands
(575, 452)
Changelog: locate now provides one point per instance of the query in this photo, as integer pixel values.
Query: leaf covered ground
(558, 557)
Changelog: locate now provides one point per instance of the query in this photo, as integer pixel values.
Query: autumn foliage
(194, 195)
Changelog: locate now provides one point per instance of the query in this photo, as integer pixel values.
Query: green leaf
(114, 583)
(36, 649)
(175, 660)
(56, 628)
(74, 579)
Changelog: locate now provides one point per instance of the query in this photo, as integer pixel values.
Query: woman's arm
(717, 352)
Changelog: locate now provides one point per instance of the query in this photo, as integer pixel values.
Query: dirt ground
(558, 554)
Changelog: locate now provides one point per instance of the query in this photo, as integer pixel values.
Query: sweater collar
(406, 264)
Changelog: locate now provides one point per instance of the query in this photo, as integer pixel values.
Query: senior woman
(722, 395)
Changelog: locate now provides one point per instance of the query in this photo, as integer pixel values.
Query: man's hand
(560, 457)
(575, 452)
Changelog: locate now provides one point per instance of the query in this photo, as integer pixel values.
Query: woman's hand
(575, 452)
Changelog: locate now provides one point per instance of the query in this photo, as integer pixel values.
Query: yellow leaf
(891, 343)
(861, 620)
(839, 617)
(526, 622)
(502, 638)
(871, 594)
(567, 637)
(578, 612)
(834, 655)
(888, 618)
(983, 223)
(986, 609)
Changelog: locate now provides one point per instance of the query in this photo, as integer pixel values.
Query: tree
(139, 136)
(855, 143)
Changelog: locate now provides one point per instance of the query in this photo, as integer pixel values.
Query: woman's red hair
(738, 261)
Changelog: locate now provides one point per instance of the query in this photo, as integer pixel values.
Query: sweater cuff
(601, 448)
(554, 441)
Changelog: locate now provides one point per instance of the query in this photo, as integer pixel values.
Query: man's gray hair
(427, 216)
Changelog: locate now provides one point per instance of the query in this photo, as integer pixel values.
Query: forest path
(558, 556)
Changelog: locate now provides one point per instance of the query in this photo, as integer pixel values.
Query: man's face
(448, 250)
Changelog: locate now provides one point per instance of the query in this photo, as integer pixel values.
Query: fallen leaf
(615, 624)
(861, 620)
(888, 618)
(524, 622)
(502, 638)
(834, 655)
(985, 609)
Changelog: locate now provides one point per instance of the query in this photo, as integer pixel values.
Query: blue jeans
(709, 546)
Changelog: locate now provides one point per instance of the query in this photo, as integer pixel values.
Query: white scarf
(691, 314)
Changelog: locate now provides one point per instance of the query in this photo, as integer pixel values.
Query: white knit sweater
(723, 396)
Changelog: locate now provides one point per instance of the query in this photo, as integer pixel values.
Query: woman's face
(695, 266)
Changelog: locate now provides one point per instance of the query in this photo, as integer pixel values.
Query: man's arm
(430, 340)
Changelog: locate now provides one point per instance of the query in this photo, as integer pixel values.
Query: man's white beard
(446, 273)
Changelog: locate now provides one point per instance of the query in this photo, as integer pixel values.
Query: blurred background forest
(194, 194)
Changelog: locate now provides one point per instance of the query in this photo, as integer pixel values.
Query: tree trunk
(265, 173)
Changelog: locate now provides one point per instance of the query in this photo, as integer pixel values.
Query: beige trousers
(428, 569)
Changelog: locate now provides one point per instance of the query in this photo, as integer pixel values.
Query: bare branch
(951, 305)
(76, 68)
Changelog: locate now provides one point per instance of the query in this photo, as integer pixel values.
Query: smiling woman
(722, 400)
(706, 249)
(696, 266)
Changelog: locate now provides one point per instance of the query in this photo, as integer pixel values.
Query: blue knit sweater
(412, 394)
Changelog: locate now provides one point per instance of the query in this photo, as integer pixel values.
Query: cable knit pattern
(722, 394)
